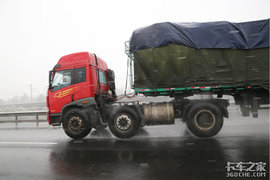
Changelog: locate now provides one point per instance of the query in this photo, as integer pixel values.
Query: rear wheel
(204, 120)
(75, 124)
(124, 122)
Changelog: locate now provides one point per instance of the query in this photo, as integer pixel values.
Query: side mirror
(50, 79)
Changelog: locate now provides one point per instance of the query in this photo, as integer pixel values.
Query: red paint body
(59, 98)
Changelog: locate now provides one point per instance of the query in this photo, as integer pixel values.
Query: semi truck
(178, 60)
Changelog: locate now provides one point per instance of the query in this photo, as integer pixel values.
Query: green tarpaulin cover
(174, 66)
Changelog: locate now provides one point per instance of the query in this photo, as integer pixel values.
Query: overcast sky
(34, 34)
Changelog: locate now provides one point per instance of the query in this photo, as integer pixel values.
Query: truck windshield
(61, 79)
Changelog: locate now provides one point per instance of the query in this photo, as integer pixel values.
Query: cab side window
(102, 77)
(79, 75)
(68, 77)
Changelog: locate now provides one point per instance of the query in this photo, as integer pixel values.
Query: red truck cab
(77, 80)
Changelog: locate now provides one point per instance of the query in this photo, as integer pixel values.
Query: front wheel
(204, 120)
(124, 122)
(75, 124)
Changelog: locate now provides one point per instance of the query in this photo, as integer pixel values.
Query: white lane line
(29, 143)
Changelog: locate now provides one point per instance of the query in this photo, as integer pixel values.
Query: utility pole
(31, 92)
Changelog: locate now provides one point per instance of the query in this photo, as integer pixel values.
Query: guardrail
(17, 117)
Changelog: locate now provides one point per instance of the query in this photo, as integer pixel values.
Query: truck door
(81, 83)
(61, 90)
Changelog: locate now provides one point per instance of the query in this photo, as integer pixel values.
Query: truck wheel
(124, 122)
(75, 124)
(204, 120)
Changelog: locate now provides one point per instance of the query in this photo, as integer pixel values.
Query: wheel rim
(75, 124)
(205, 120)
(123, 122)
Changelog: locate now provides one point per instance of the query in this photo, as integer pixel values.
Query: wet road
(157, 152)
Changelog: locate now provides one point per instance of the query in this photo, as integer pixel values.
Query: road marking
(29, 143)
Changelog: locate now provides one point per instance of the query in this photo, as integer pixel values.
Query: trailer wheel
(204, 120)
(124, 122)
(75, 124)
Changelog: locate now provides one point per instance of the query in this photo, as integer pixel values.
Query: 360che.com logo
(246, 169)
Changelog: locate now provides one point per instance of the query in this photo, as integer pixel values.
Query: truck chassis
(203, 117)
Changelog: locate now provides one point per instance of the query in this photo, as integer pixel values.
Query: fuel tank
(158, 113)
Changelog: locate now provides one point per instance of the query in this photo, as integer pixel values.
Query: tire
(75, 124)
(204, 120)
(124, 122)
